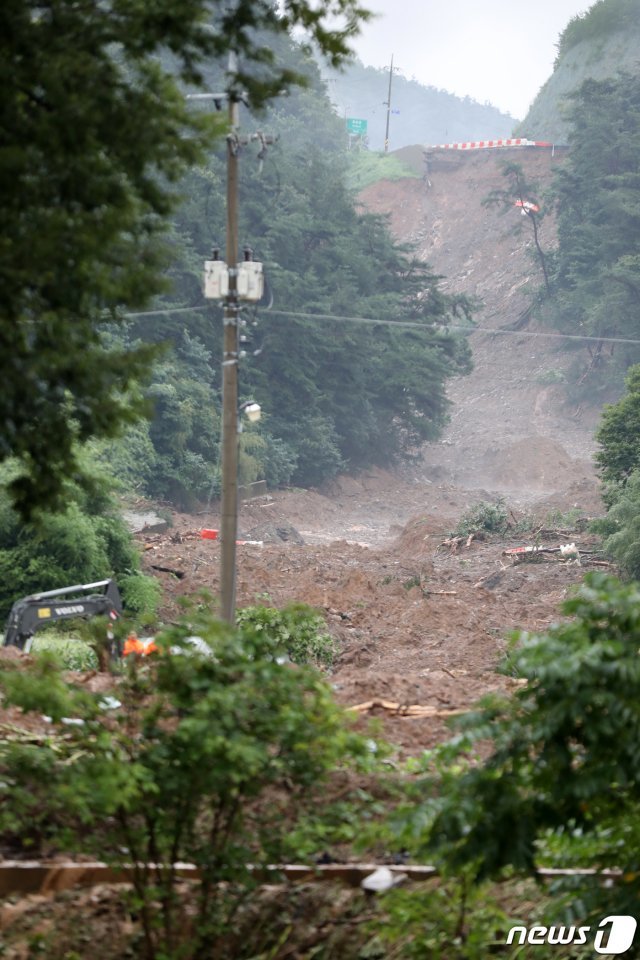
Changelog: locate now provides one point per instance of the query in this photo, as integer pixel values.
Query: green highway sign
(356, 127)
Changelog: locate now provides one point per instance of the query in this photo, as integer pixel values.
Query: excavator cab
(85, 600)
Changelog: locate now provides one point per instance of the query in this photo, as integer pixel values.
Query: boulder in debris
(275, 532)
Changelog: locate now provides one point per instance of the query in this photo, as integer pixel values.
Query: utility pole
(388, 102)
(229, 503)
(232, 282)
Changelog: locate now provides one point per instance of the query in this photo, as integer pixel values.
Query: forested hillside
(335, 395)
(594, 268)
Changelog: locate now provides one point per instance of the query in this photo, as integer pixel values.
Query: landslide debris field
(417, 623)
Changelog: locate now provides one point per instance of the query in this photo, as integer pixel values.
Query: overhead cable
(410, 324)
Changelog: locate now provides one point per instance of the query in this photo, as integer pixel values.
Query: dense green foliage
(95, 134)
(560, 782)
(173, 456)
(621, 526)
(618, 434)
(335, 394)
(595, 269)
(213, 760)
(298, 629)
(601, 19)
(618, 460)
(86, 542)
(87, 141)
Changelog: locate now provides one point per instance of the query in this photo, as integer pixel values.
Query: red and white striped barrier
(484, 144)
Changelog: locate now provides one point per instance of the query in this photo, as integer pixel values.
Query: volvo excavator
(42, 609)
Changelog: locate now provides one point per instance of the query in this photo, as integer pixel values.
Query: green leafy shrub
(621, 527)
(618, 435)
(74, 654)
(550, 773)
(141, 595)
(214, 760)
(86, 542)
(551, 376)
(297, 629)
(483, 518)
(444, 919)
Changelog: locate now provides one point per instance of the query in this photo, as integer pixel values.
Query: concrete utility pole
(229, 504)
(388, 102)
(232, 282)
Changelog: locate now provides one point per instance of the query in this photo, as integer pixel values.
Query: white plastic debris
(68, 721)
(381, 880)
(109, 703)
(195, 645)
(571, 552)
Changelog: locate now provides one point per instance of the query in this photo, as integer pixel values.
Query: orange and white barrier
(486, 144)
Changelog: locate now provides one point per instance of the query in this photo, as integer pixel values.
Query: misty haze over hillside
(419, 114)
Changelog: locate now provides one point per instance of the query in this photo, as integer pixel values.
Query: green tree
(217, 760)
(549, 775)
(621, 526)
(95, 133)
(618, 460)
(85, 542)
(185, 426)
(595, 268)
(618, 434)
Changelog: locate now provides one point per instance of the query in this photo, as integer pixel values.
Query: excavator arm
(41, 609)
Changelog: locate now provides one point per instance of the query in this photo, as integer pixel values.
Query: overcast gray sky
(500, 51)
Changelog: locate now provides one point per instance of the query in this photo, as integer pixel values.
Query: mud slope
(510, 430)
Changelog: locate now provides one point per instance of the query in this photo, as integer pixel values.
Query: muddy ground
(418, 623)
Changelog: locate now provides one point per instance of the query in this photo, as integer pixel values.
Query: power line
(410, 324)
(160, 313)
(446, 328)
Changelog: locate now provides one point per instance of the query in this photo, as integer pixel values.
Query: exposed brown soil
(417, 622)
(367, 539)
